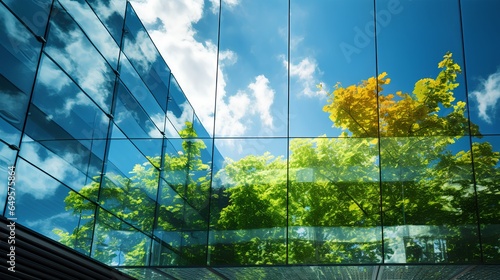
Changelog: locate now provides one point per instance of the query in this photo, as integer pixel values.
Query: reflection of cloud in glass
(487, 96)
(88, 68)
(178, 122)
(264, 98)
(12, 107)
(8, 22)
(226, 3)
(94, 29)
(41, 187)
(46, 226)
(159, 120)
(141, 51)
(58, 84)
(192, 58)
(235, 115)
(305, 74)
(52, 77)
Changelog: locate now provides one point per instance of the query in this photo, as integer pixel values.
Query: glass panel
(248, 206)
(19, 51)
(144, 56)
(33, 13)
(180, 113)
(162, 254)
(93, 28)
(44, 207)
(188, 40)
(135, 85)
(88, 69)
(428, 200)
(13, 107)
(119, 244)
(486, 155)
(480, 22)
(131, 118)
(423, 92)
(182, 216)
(334, 201)
(65, 131)
(331, 44)
(199, 129)
(111, 13)
(130, 183)
(252, 98)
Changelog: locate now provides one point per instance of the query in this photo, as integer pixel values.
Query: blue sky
(330, 42)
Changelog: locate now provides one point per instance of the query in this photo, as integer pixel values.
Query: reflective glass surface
(90, 24)
(334, 201)
(111, 13)
(142, 95)
(88, 69)
(252, 70)
(314, 139)
(130, 184)
(66, 129)
(179, 110)
(248, 206)
(118, 243)
(34, 13)
(13, 107)
(20, 52)
(182, 215)
(131, 118)
(331, 45)
(42, 207)
(480, 24)
(486, 154)
(428, 200)
(419, 67)
(145, 58)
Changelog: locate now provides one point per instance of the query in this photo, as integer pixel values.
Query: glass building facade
(320, 139)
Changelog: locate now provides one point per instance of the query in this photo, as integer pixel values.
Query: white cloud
(194, 65)
(305, 75)
(232, 113)
(487, 96)
(235, 116)
(186, 57)
(225, 3)
(264, 97)
(304, 70)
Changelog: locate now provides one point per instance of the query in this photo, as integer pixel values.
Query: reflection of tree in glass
(334, 192)
(333, 199)
(182, 207)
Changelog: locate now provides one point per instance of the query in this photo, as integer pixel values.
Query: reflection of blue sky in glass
(330, 42)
